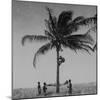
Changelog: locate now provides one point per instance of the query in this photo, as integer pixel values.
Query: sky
(28, 18)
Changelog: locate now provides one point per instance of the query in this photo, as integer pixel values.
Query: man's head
(38, 82)
(44, 83)
(69, 80)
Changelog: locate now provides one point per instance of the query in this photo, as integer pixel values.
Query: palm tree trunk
(57, 77)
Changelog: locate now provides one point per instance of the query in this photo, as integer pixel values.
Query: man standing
(69, 87)
(39, 88)
(44, 88)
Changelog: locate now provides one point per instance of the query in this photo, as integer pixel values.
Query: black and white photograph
(54, 49)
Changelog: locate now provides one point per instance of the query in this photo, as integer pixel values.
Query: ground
(78, 89)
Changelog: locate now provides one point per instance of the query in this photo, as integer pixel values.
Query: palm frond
(73, 26)
(41, 50)
(85, 49)
(64, 18)
(51, 23)
(76, 45)
(55, 21)
(95, 47)
(79, 42)
(78, 19)
(92, 29)
(85, 38)
(48, 34)
(70, 28)
(50, 28)
(89, 20)
(51, 19)
(34, 37)
(87, 46)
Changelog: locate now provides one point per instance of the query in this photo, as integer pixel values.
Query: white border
(5, 49)
(85, 2)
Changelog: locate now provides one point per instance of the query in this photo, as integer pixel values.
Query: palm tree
(59, 35)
